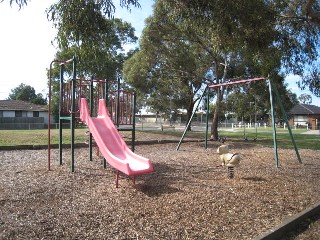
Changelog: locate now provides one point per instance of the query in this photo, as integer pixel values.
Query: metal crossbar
(236, 82)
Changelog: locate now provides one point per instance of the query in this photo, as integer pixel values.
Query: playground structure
(109, 110)
(272, 89)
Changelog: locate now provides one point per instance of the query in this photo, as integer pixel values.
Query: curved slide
(110, 143)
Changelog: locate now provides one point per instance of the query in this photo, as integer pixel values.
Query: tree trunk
(219, 91)
(215, 120)
(189, 113)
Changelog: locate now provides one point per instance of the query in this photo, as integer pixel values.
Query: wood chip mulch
(187, 197)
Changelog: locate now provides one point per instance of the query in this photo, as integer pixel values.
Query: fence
(27, 123)
(22, 123)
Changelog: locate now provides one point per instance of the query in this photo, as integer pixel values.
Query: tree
(20, 3)
(305, 98)
(82, 21)
(252, 99)
(229, 46)
(168, 69)
(101, 59)
(296, 24)
(27, 93)
(243, 43)
(311, 81)
(106, 6)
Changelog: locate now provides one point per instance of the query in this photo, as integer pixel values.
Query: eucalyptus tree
(106, 6)
(261, 34)
(295, 22)
(232, 44)
(20, 3)
(169, 69)
(100, 56)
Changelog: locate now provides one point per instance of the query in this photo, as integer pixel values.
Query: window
(300, 118)
(1, 113)
(18, 114)
(36, 114)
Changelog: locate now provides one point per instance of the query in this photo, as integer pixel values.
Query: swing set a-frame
(272, 89)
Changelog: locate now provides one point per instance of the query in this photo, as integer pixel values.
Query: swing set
(272, 89)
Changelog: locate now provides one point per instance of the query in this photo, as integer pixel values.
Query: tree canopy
(106, 6)
(305, 98)
(294, 27)
(27, 93)
(167, 68)
(20, 3)
(230, 42)
(99, 53)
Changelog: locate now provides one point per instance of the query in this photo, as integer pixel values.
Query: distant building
(305, 115)
(16, 114)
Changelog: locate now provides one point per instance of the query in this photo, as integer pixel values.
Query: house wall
(8, 113)
(8, 120)
(313, 121)
(44, 115)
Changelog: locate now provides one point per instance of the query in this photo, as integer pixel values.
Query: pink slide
(110, 143)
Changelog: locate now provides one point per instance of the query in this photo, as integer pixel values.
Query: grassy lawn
(39, 137)
(264, 137)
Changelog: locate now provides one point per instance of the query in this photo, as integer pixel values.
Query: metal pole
(207, 118)
(255, 115)
(107, 101)
(287, 122)
(49, 112)
(60, 110)
(189, 122)
(106, 89)
(275, 149)
(91, 112)
(72, 120)
(49, 117)
(118, 103)
(244, 129)
(134, 121)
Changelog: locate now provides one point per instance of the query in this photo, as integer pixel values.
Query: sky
(26, 48)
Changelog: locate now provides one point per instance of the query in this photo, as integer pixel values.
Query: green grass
(264, 137)
(283, 139)
(39, 137)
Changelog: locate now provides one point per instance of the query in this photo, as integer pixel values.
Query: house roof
(17, 105)
(305, 109)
